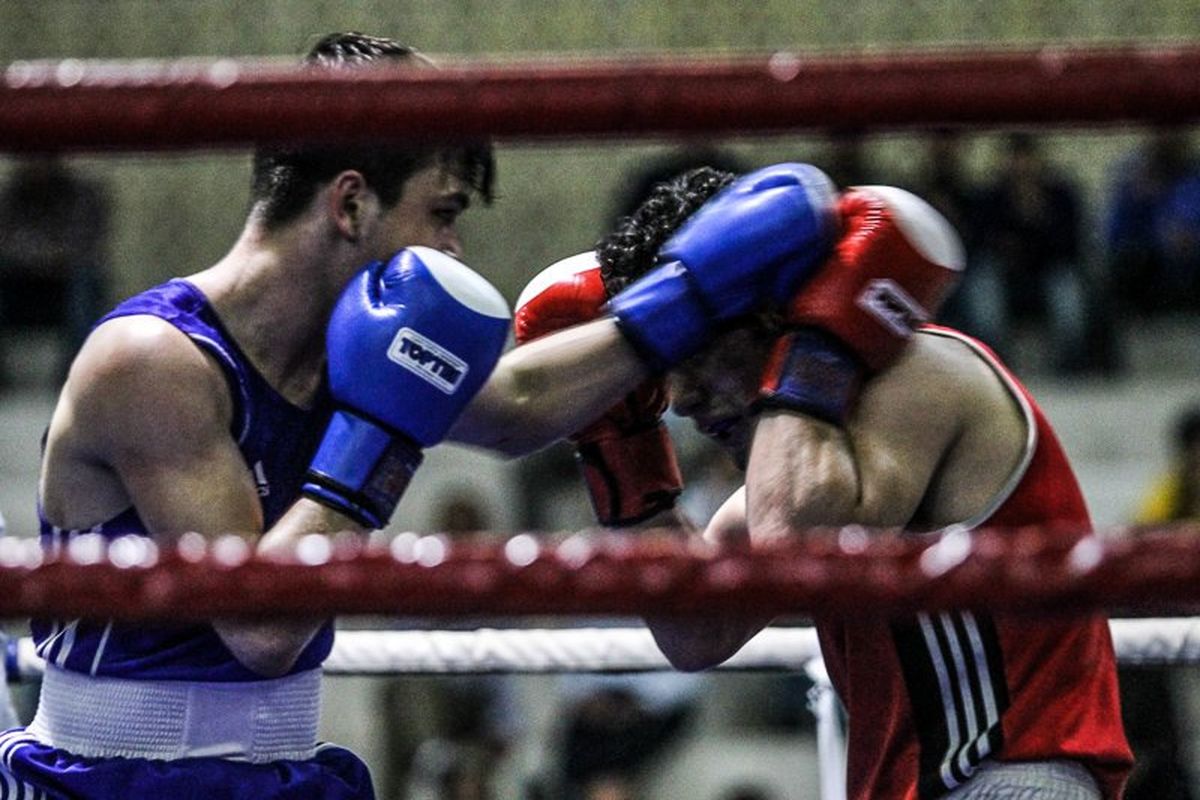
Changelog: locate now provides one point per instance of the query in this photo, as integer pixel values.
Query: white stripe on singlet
(982, 673)
(100, 647)
(965, 660)
(965, 689)
(13, 788)
(948, 709)
(67, 636)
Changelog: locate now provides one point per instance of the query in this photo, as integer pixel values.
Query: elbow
(272, 664)
(268, 654)
(697, 645)
(690, 661)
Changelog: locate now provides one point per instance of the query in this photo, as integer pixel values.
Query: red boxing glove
(626, 456)
(897, 260)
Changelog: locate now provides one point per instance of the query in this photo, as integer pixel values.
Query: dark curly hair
(285, 178)
(631, 249)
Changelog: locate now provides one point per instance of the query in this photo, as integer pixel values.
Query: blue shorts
(30, 770)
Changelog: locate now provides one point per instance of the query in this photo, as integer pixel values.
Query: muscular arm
(880, 469)
(803, 471)
(545, 390)
(144, 421)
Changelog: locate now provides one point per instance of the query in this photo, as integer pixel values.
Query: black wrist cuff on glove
(361, 469)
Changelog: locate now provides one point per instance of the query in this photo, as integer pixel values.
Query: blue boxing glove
(410, 342)
(751, 244)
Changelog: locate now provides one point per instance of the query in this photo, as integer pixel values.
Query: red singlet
(929, 698)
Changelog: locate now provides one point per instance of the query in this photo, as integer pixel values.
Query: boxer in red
(845, 407)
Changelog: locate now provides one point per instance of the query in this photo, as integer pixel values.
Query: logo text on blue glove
(427, 359)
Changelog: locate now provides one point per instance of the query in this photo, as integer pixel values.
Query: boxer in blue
(203, 405)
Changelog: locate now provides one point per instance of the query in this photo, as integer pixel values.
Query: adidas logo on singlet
(427, 359)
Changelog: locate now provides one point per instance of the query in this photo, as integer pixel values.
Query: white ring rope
(545, 651)
(1156, 641)
(558, 650)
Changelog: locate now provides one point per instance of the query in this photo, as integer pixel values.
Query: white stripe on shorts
(13, 788)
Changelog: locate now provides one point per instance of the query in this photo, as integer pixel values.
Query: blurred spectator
(468, 727)
(1151, 696)
(53, 237)
(473, 719)
(747, 791)
(610, 736)
(1175, 495)
(461, 512)
(1153, 226)
(450, 771)
(846, 160)
(942, 180)
(1027, 268)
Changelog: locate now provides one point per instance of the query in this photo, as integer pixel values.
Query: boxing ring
(848, 571)
(1149, 578)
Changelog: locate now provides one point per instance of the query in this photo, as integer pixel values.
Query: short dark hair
(285, 178)
(630, 250)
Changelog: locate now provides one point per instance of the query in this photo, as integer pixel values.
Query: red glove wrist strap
(632, 477)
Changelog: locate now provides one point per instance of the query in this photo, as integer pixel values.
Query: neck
(274, 294)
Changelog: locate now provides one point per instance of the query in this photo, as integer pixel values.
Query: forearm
(545, 390)
(801, 472)
(703, 641)
(271, 648)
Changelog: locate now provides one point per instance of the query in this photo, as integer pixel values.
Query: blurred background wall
(179, 212)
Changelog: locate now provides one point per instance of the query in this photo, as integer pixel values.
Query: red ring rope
(225, 103)
(843, 572)
(193, 104)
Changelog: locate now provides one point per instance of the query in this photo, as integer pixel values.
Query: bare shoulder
(138, 374)
(990, 429)
(939, 377)
(140, 397)
(964, 372)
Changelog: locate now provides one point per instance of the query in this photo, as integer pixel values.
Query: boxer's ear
(349, 201)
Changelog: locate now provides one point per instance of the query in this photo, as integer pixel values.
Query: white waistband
(259, 721)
